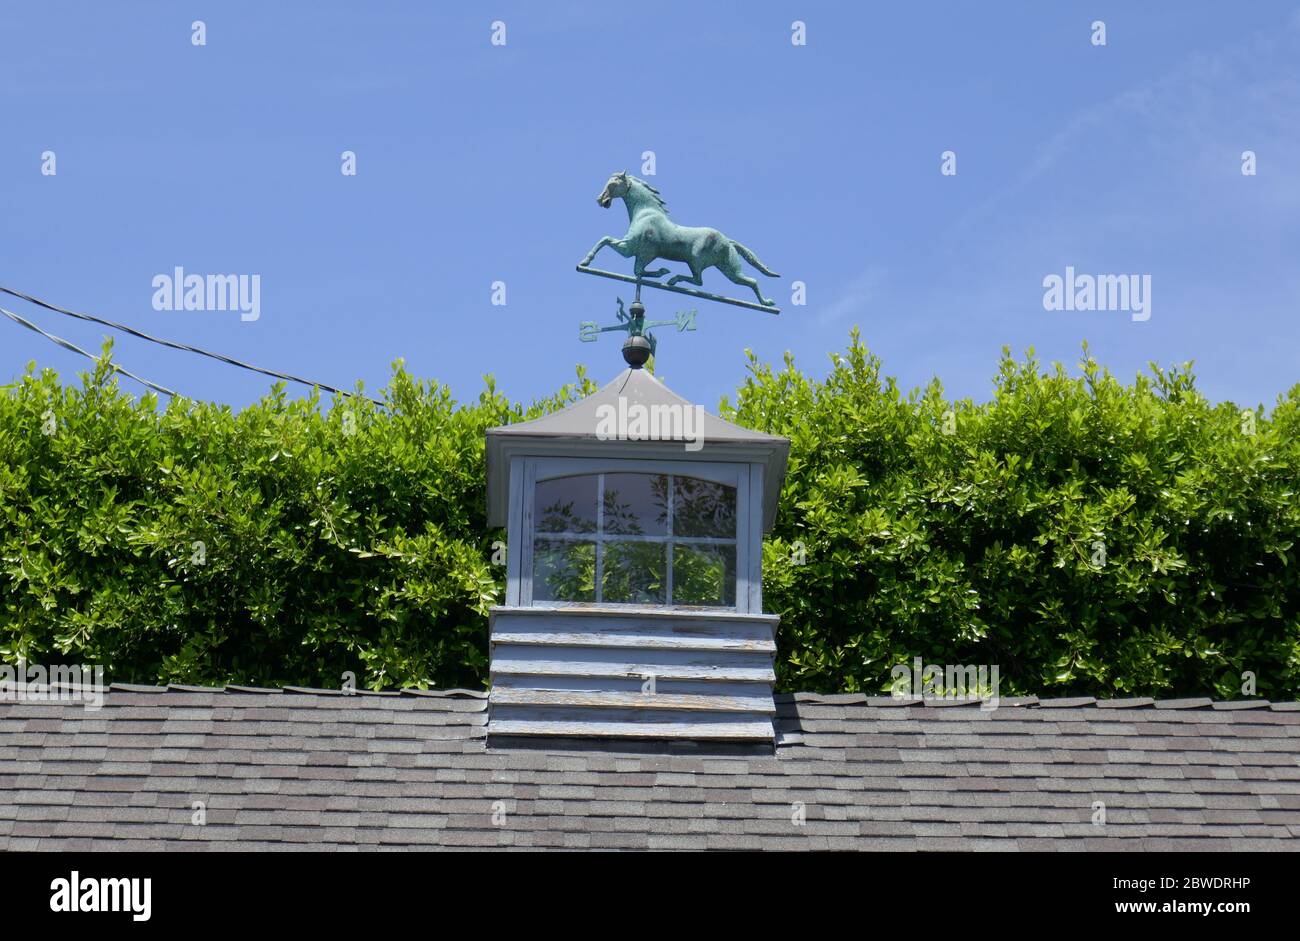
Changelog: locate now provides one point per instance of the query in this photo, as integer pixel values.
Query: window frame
(526, 473)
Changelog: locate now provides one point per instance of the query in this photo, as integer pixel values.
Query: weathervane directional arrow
(635, 324)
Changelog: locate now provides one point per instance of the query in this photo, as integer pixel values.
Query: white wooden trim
(600, 640)
(742, 539)
(528, 481)
(549, 467)
(755, 543)
(514, 533)
(758, 704)
(631, 724)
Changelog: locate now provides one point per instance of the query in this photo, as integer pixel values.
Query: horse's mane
(653, 192)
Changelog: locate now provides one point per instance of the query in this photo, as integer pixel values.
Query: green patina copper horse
(651, 234)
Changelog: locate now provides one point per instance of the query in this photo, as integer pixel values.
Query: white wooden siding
(579, 671)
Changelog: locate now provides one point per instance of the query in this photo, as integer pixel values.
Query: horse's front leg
(619, 245)
(695, 277)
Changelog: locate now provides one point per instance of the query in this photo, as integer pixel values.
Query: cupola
(634, 601)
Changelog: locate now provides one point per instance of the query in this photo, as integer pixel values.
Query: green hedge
(1084, 535)
(349, 540)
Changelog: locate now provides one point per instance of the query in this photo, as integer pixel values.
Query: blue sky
(479, 163)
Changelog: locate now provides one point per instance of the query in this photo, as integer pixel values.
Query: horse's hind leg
(731, 268)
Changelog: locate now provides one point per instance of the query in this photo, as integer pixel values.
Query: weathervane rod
(704, 295)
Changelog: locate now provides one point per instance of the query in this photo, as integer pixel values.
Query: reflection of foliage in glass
(703, 508)
(566, 505)
(704, 575)
(635, 573)
(564, 571)
(561, 518)
(622, 517)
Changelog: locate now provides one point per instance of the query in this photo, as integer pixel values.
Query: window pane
(634, 573)
(636, 504)
(703, 508)
(564, 571)
(566, 505)
(704, 575)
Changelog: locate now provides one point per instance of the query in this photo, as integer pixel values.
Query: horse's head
(617, 186)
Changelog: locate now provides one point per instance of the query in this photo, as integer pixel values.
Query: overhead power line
(76, 349)
(173, 345)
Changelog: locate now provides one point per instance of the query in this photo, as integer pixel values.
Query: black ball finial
(636, 350)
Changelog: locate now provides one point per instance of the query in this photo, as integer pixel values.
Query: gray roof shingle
(302, 769)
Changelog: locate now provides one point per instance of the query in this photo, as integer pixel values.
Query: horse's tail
(750, 257)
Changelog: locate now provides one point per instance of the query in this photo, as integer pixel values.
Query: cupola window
(634, 538)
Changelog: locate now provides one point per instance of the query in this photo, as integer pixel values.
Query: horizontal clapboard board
(611, 672)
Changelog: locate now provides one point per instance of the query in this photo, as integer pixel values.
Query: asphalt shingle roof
(309, 769)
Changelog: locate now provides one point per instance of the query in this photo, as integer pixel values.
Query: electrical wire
(178, 346)
(76, 349)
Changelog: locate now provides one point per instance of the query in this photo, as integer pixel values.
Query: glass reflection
(564, 571)
(704, 575)
(635, 536)
(703, 508)
(566, 505)
(636, 504)
(635, 573)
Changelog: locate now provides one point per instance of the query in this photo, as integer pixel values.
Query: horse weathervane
(651, 235)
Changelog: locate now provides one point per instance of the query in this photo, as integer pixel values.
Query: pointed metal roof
(636, 386)
(573, 431)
